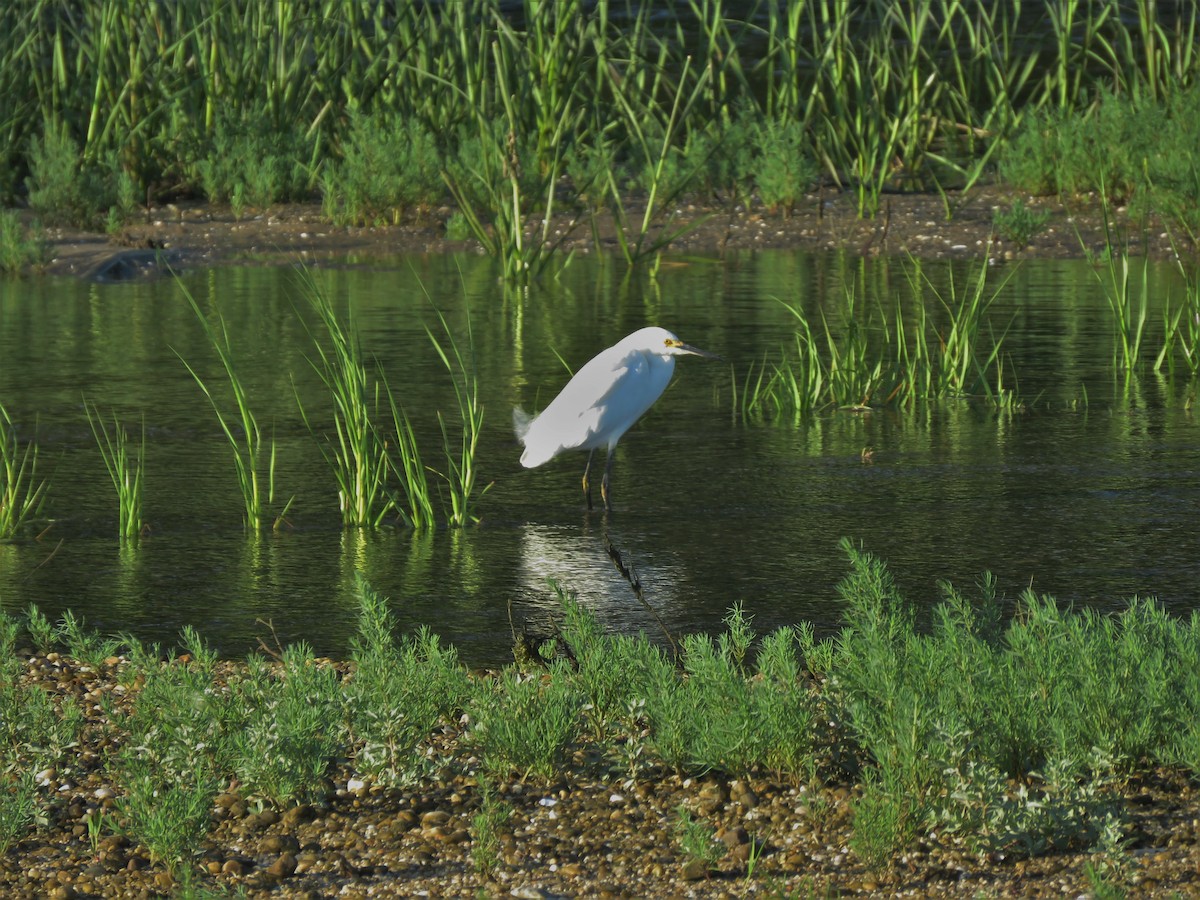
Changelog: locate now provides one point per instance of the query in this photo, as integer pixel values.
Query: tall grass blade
(125, 469)
(21, 493)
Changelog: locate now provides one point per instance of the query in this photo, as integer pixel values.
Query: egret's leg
(587, 488)
(604, 482)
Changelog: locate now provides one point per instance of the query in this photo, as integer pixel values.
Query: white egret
(602, 401)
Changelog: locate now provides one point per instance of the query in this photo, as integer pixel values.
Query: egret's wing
(603, 399)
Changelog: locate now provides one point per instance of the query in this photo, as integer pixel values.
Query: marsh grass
(938, 346)
(255, 475)
(125, 467)
(146, 99)
(357, 451)
(1128, 302)
(460, 440)
(21, 492)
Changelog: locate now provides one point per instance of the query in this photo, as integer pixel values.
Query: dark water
(1090, 493)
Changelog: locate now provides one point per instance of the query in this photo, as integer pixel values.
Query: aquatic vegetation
(125, 468)
(941, 350)
(21, 493)
(357, 451)
(240, 429)
(1129, 305)
(459, 444)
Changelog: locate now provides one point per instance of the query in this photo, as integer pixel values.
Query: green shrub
(388, 167)
(67, 189)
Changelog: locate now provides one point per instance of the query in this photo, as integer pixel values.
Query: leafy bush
(388, 166)
(66, 189)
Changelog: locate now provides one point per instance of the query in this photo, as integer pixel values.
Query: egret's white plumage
(602, 400)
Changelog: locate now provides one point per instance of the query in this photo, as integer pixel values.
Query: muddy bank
(908, 224)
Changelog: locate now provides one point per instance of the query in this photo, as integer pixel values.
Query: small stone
(234, 867)
(283, 867)
(694, 870)
(278, 843)
(434, 819)
(298, 815)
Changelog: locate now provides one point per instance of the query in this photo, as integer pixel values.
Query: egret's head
(663, 343)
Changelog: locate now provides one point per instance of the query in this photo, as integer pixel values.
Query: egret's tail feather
(521, 422)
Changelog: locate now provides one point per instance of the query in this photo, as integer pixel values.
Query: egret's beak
(695, 351)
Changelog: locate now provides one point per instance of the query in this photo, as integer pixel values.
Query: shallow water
(1091, 501)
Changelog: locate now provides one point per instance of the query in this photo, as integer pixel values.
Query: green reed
(125, 466)
(411, 474)
(1181, 330)
(1129, 304)
(963, 360)
(357, 451)
(241, 429)
(888, 96)
(865, 356)
(460, 443)
(21, 493)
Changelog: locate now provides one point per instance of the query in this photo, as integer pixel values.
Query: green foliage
(18, 807)
(169, 815)
(486, 826)
(1019, 223)
(399, 692)
(1139, 150)
(610, 671)
(287, 729)
(20, 247)
(246, 165)
(388, 166)
(65, 188)
(82, 643)
(697, 839)
(21, 493)
(525, 723)
(782, 170)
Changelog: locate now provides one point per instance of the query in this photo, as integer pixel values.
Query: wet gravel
(586, 833)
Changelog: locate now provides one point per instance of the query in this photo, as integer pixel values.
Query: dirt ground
(917, 224)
